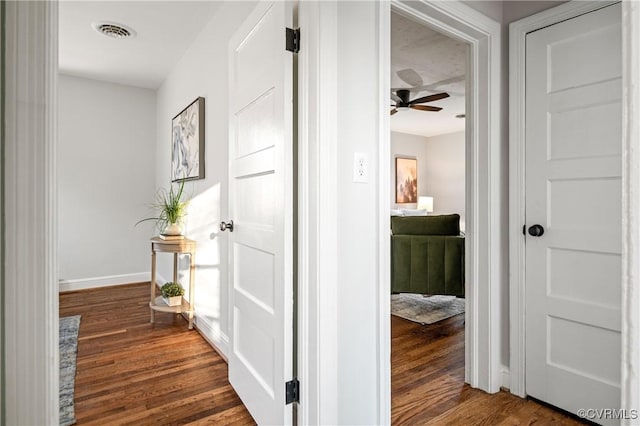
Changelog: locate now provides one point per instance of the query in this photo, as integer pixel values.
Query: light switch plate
(360, 167)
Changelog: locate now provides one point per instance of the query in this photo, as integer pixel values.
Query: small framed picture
(406, 180)
(187, 143)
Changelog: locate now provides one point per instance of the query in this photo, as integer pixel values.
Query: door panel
(573, 189)
(260, 204)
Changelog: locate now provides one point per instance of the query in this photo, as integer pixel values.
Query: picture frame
(187, 142)
(406, 180)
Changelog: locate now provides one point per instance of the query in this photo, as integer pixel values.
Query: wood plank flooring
(427, 383)
(133, 373)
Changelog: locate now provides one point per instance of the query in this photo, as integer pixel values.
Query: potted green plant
(172, 293)
(171, 209)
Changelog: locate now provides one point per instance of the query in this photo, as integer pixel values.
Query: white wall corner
(107, 281)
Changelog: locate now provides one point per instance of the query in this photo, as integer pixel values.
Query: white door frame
(630, 392)
(30, 391)
(318, 214)
(630, 192)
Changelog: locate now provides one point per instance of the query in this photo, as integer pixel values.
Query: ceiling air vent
(113, 30)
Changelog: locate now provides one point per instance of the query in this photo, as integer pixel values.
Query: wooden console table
(181, 246)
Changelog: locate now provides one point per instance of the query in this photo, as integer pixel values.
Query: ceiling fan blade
(425, 108)
(434, 86)
(393, 111)
(429, 98)
(411, 77)
(395, 97)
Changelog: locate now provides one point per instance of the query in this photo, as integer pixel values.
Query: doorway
(428, 162)
(483, 268)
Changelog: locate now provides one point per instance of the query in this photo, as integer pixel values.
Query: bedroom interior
(428, 154)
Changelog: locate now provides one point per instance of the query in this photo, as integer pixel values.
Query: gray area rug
(425, 309)
(69, 327)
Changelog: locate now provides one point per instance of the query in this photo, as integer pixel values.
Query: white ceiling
(164, 31)
(436, 58)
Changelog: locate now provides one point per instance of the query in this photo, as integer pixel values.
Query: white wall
(441, 169)
(358, 222)
(410, 146)
(106, 169)
(445, 173)
(202, 71)
(514, 10)
(508, 11)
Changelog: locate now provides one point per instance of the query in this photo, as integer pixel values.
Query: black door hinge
(293, 40)
(292, 391)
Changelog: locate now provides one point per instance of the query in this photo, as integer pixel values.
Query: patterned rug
(69, 327)
(425, 309)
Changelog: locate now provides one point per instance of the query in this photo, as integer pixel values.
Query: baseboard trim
(212, 337)
(95, 282)
(505, 377)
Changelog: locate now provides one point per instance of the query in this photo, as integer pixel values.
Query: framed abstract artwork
(406, 180)
(187, 142)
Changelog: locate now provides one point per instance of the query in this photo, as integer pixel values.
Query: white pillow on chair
(414, 212)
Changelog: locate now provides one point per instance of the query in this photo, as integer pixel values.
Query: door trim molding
(318, 213)
(517, 38)
(30, 369)
(485, 270)
(630, 389)
(383, 332)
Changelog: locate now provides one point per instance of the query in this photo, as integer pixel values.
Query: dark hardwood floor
(133, 373)
(427, 383)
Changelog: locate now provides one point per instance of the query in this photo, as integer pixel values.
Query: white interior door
(573, 190)
(260, 204)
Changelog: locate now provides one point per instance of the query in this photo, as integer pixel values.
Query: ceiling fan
(413, 79)
(401, 97)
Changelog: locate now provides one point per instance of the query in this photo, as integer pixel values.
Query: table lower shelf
(160, 306)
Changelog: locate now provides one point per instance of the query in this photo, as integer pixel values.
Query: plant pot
(173, 300)
(173, 229)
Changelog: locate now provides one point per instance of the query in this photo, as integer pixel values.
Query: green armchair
(427, 255)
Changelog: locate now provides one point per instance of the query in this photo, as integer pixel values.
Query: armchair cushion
(427, 255)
